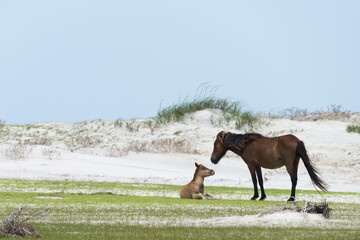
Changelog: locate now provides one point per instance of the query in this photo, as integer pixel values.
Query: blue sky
(71, 61)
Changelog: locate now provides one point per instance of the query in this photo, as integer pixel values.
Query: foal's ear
(196, 165)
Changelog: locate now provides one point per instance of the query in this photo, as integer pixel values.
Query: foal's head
(219, 148)
(203, 171)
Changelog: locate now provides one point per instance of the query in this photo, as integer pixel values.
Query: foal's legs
(259, 175)
(198, 196)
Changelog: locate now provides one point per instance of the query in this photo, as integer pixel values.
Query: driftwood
(309, 207)
(15, 224)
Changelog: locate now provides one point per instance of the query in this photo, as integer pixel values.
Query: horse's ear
(196, 165)
(222, 133)
(221, 136)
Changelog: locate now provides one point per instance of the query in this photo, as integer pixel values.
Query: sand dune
(100, 151)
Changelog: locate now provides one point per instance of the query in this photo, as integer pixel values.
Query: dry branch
(14, 225)
(309, 207)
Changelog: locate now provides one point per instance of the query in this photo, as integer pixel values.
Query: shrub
(17, 151)
(353, 128)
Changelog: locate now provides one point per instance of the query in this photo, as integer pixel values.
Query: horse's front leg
(254, 180)
(259, 175)
(198, 196)
(209, 196)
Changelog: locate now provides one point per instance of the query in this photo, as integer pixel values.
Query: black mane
(238, 138)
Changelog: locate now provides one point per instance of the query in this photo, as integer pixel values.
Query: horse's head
(203, 171)
(219, 148)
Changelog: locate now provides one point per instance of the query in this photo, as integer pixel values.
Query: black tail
(313, 172)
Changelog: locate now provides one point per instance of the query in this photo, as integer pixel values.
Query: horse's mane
(239, 141)
(237, 138)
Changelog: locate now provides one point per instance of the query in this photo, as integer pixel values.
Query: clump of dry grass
(17, 151)
(39, 141)
(333, 112)
(84, 142)
(165, 145)
(15, 224)
(50, 153)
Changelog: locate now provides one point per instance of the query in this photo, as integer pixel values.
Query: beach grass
(353, 128)
(205, 99)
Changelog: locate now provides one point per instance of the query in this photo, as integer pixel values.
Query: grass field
(105, 210)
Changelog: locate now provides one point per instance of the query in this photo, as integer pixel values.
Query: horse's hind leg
(259, 175)
(293, 175)
(254, 180)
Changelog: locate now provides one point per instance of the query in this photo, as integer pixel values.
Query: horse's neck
(198, 179)
(236, 150)
(233, 141)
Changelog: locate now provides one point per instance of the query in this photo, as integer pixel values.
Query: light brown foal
(195, 188)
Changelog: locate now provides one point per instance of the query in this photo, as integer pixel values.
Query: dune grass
(353, 128)
(108, 210)
(205, 99)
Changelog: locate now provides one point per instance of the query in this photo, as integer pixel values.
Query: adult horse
(258, 151)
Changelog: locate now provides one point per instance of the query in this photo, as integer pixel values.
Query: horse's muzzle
(212, 172)
(214, 160)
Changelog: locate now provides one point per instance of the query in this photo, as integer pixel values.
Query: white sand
(335, 152)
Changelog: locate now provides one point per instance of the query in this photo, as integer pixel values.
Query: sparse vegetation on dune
(333, 112)
(162, 145)
(205, 99)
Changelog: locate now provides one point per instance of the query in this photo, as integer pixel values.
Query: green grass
(110, 210)
(353, 128)
(105, 231)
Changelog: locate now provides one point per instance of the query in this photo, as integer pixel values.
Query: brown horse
(258, 151)
(195, 188)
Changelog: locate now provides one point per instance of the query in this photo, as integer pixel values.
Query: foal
(195, 188)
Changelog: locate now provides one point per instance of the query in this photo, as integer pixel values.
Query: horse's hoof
(262, 198)
(254, 197)
(291, 199)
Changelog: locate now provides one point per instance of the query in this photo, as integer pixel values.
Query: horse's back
(272, 152)
(288, 142)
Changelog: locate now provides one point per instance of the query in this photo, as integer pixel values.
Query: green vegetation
(118, 123)
(132, 125)
(231, 111)
(353, 128)
(108, 210)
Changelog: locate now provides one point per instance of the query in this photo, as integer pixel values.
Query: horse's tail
(313, 172)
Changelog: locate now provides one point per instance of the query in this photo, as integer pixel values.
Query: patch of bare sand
(277, 219)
